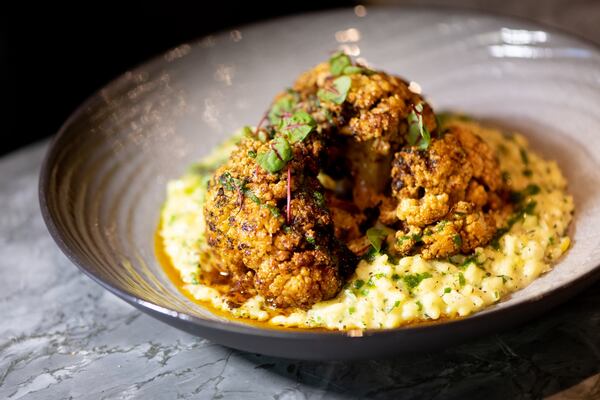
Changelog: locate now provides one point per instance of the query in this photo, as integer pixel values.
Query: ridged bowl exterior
(103, 181)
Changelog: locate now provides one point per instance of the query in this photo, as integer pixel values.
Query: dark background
(53, 57)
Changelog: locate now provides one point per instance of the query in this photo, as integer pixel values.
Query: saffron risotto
(385, 292)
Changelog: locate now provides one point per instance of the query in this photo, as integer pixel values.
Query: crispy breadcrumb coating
(294, 240)
(291, 264)
(451, 197)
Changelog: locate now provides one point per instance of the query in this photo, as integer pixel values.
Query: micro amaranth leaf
(418, 135)
(274, 159)
(425, 139)
(338, 62)
(282, 106)
(376, 237)
(298, 126)
(337, 92)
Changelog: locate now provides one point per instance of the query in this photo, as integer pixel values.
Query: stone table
(63, 336)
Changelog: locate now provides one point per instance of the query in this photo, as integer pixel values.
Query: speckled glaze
(103, 181)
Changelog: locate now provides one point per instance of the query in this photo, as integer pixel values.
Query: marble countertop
(63, 336)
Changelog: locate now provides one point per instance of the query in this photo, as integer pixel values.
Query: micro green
(418, 135)
(274, 159)
(376, 237)
(337, 92)
(413, 280)
(298, 126)
(338, 63)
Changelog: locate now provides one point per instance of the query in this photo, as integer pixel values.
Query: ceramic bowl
(103, 181)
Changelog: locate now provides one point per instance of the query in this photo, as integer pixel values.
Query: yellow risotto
(387, 293)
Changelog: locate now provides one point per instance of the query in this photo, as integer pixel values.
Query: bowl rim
(564, 291)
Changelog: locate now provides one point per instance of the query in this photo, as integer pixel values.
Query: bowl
(103, 180)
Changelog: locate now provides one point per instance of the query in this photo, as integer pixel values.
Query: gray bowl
(103, 181)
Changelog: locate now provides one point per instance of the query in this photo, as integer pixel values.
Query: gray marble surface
(63, 336)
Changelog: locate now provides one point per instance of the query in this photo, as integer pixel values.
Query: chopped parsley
(441, 225)
(319, 198)
(414, 237)
(358, 284)
(522, 211)
(529, 208)
(413, 280)
(457, 240)
(461, 279)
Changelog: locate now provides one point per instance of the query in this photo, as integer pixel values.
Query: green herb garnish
(250, 194)
(230, 183)
(418, 135)
(298, 126)
(281, 107)
(376, 237)
(530, 207)
(274, 210)
(247, 131)
(353, 69)
(531, 190)
(338, 63)
(413, 280)
(319, 198)
(457, 240)
(441, 225)
(237, 185)
(338, 92)
(279, 153)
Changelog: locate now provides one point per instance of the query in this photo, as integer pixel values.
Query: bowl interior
(105, 176)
